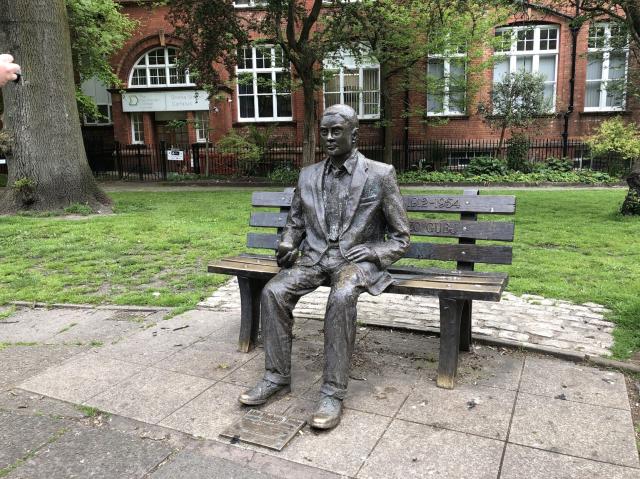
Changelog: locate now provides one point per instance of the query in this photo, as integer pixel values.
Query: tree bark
(308, 127)
(47, 159)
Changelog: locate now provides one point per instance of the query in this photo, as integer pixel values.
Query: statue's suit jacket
(374, 216)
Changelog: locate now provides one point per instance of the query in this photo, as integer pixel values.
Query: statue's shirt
(335, 193)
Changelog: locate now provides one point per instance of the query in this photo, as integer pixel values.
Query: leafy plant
(284, 174)
(26, 190)
(617, 143)
(518, 153)
(6, 142)
(248, 153)
(486, 166)
(557, 164)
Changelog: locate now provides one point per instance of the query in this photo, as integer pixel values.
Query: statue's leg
(279, 297)
(340, 329)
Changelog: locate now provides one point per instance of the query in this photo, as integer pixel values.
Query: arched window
(157, 68)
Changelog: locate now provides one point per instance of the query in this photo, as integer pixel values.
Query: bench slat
(461, 204)
(460, 252)
(271, 198)
(263, 240)
(424, 286)
(485, 230)
(273, 220)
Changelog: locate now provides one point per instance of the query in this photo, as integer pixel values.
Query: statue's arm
(294, 230)
(398, 237)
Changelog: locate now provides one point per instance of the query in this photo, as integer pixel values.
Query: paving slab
(80, 378)
(150, 395)
(209, 358)
(147, 347)
(471, 409)
(26, 402)
(409, 450)
(21, 434)
(582, 430)
(214, 410)
(527, 463)
(199, 323)
(575, 382)
(85, 452)
(491, 366)
(18, 363)
(195, 465)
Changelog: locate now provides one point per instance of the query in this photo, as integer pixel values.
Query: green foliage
(518, 153)
(486, 166)
(247, 152)
(558, 164)
(25, 189)
(588, 177)
(6, 142)
(615, 138)
(631, 204)
(285, 175)
(517, 100)
(78, 209)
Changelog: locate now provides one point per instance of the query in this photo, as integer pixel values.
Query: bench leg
(250, 290)
(450, 315)
(465, 326)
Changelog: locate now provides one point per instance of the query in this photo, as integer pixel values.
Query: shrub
(247, 153)
(284, 174)
(617, 143)
(486, 166)
(518, 153)
(558, 164)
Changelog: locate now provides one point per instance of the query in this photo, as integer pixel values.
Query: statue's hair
(346, 112)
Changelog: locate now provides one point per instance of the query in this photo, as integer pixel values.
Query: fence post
(119, 160)
(139, 160)
(163, 159)
(196, 158)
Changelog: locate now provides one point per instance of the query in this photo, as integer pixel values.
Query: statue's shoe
(261, 392)
(327, 414)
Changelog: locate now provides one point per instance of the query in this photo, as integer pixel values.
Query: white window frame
(254, 71)
(338, 64)
(137, 132)
(606, 51)
(513, 53)
(250, 4)
(447, 73)
(146, 67)
(201, 126)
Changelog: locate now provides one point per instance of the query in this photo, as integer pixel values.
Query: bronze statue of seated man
(346, 225)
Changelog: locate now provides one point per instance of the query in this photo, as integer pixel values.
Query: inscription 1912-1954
(440, 202)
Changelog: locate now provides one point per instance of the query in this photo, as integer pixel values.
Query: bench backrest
(467, 229)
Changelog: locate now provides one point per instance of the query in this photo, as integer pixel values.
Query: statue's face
(337, 136)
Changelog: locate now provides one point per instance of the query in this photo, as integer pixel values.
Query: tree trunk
(631, 204)
(308, 127)
(48, 160)
(386, 117)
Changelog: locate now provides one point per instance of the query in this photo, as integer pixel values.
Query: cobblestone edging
(528, 319)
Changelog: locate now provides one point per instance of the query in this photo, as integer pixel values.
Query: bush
(248, 153)
(284, 174)
(486, 166)
(518, 154)
(616, 142)
(558, 164)
(588, 177)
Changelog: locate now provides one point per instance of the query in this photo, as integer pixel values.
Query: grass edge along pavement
(569, 244)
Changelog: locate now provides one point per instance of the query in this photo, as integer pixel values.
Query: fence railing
(162, 161)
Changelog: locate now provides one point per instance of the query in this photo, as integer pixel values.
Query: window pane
(592, 99)
(265, 83)
(504, 40)
(156, 57)
(246, 107)
(265, 106)
(596, 36)
(263, 57)
(525, 40)
(547, 67)
(171, 53)
(594, 66)
(284, 105)
(245, 84)
(157, 76)
(435, 103)
(617, 64)
(351, 87)
(370, 79)
(371, 100)
(524, 64)
(500, 69)
(176, 77)
(139, 76)
(245, 59)
(614, 97)
(278, 56)
(331, 99)
(104, 111)
(332, 82)
(436, 68)
(283, 82)
(548, 93)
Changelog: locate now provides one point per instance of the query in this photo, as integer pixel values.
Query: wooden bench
(456, 289)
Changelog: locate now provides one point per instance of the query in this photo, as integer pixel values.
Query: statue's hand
(361, 253)
(286, 255)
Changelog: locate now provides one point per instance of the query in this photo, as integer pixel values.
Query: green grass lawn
(154, 250)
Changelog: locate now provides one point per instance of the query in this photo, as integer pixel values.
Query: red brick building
(156, 93)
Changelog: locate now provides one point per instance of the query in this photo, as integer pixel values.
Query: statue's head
(339, 131)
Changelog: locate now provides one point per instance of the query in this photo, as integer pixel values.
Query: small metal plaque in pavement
(264, 429)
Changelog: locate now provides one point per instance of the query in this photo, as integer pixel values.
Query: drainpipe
(575, 29)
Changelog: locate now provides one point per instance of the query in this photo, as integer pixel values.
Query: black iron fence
(163, 161)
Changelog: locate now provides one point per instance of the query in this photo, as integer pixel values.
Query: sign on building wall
(165, 101)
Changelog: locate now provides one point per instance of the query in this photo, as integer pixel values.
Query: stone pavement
(170, 387)
(528, 320)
